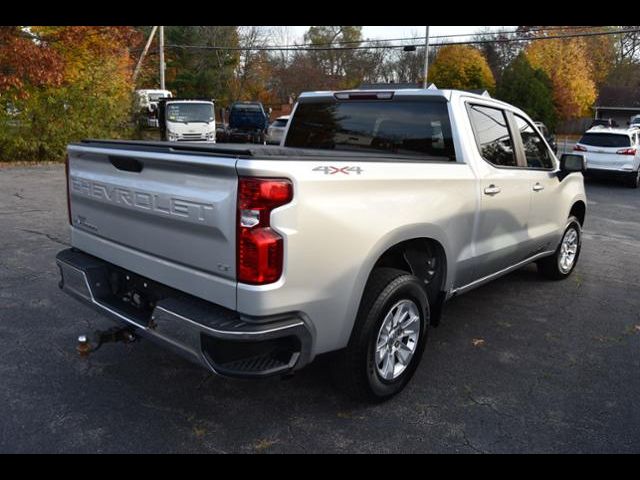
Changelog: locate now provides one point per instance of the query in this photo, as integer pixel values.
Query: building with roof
(618, 103)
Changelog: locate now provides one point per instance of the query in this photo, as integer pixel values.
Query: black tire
(634, 180)
(550, 267)
(355, 367)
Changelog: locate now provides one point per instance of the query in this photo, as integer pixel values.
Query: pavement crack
(47, 235)
(467, 443)
(490, 406)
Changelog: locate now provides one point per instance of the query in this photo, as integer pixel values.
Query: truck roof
(188, 100)
(403, 92)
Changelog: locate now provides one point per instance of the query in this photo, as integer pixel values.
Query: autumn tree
(26, 60)
(566, 63)
(601, 54)
(529, 89)
(92, 97)
(461, 67)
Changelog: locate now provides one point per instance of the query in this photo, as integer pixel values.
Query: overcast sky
(381, 32)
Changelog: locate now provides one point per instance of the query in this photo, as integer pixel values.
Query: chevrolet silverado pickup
(349, 238)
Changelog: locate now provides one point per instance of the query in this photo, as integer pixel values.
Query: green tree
(461, 67)
(529, 89)
(202, 72)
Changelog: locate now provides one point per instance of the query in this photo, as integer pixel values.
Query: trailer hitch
(87, 346)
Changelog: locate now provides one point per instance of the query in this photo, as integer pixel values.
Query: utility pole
(136, 72)
(162, 65)
(426, 60)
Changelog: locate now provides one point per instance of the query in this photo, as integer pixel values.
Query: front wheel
(389, 336)
(561, 264)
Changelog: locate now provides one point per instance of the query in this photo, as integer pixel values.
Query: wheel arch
(432, 235)
(579, 210)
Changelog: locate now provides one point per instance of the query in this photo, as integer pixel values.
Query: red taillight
(66, 174)
(579, 148)
(260, 249)
(627, 151)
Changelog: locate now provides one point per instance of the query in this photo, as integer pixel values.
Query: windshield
(190, 112)
(411, 128)
(247, 116)
(609, 140)
(247, 108)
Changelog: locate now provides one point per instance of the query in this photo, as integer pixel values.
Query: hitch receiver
(114, 335)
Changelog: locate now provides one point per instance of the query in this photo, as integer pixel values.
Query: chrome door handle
(492, 190)
(538, 188)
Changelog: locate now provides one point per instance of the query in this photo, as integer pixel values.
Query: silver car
(276, 131)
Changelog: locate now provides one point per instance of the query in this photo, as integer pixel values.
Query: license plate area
(131, 294)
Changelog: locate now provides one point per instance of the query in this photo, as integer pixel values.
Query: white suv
(612, 152)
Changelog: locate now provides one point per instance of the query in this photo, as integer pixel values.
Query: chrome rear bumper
(217, 338)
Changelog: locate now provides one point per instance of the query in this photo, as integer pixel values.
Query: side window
(535, 150)
(492, 135)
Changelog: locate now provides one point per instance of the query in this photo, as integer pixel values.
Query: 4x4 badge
(339, 170)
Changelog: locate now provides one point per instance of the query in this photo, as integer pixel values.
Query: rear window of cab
(408, 128)
(606, 140)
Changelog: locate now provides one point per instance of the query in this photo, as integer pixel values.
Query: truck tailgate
(166, 215)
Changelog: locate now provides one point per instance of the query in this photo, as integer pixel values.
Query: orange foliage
(23, 60)
(567, 64)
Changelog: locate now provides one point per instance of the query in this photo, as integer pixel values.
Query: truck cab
(187, 120)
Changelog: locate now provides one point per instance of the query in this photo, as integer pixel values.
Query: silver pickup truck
(377, 208)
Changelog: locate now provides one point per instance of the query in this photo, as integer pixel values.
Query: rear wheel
(634, 180)
(389, 336)
(561, 264)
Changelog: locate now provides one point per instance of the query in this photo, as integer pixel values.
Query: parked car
(275, 132)
(613, 153)
(248, 123)
(381, 205)
(550, 138)
(634, 122)
(604, 122)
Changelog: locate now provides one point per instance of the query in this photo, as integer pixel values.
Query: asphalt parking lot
(520, 365)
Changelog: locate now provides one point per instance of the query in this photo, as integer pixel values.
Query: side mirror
(572, 163)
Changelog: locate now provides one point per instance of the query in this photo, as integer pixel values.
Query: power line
(381, 42)
(422, 39)
(391, 47)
